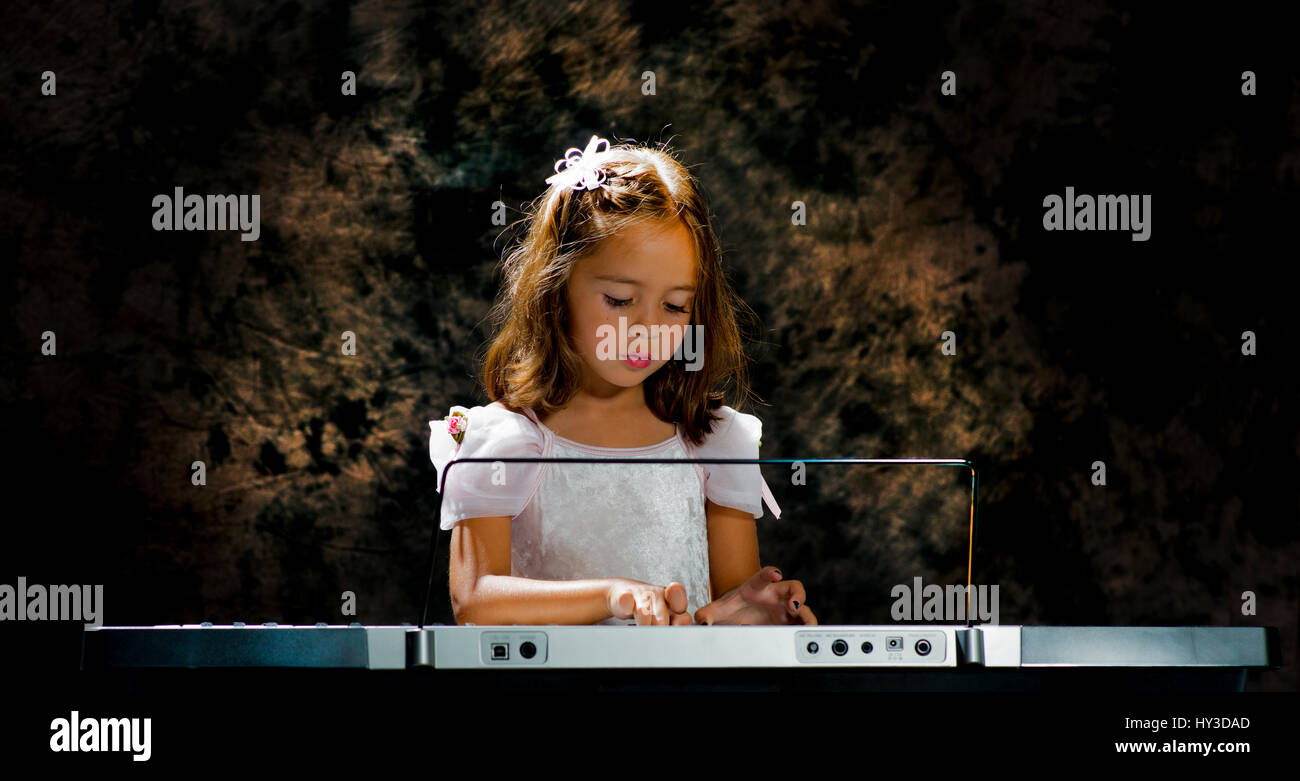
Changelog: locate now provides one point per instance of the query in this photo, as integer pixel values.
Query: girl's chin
(628, 378)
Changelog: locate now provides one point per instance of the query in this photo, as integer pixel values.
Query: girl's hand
(763, 599)
(650, 605)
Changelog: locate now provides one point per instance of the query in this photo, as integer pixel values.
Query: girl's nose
(644, 315)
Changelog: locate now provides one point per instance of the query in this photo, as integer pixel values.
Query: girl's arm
(733, 548)
(483, 591)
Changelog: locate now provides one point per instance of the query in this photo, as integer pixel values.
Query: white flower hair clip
(582, 169)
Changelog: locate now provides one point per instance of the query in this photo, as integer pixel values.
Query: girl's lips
(638, 360)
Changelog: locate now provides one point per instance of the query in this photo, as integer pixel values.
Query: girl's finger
(795, 595)
(660, 611)
(765, 576)
(784, 594)
(626, 605)
(644, 610)
(675, 595)
(806, 616)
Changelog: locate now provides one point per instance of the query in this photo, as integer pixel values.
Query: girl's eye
(681, 310)
(617, 302)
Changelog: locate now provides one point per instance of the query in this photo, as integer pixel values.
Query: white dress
(645, 522)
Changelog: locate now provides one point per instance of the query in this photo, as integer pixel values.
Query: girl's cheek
(598, 339)
(668, 345)
(587, 335)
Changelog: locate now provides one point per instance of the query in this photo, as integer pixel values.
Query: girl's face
(646, 275)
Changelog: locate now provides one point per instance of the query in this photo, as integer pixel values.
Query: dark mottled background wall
(924, 215)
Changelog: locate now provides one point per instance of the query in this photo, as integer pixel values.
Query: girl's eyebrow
(626, 281)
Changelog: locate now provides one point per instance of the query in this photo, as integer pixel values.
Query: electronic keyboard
(691, 647)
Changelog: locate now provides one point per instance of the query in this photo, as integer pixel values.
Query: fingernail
(796, 604)
(777, 571)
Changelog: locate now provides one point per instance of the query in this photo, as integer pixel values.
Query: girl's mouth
(638, 360)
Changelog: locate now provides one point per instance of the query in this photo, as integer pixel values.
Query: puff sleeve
(479, 490)
(736, 435)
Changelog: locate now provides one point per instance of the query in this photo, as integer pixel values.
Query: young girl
(619, 259)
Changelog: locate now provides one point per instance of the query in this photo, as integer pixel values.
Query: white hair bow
(581, 168)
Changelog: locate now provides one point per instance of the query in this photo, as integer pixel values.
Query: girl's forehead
(645, 252)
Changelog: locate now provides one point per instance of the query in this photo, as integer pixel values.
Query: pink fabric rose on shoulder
(458, 423)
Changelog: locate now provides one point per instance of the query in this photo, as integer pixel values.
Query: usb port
(500, 651)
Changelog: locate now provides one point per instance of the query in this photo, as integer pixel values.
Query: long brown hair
(531, 363)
